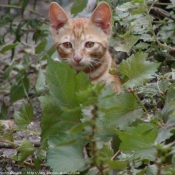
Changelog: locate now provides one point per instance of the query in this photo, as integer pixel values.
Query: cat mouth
(79, 66)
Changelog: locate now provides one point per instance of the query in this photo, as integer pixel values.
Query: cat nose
(77, 59)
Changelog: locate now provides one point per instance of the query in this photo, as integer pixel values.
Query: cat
(83, 43)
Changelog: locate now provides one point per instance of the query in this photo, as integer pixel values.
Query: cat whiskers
(93, 63)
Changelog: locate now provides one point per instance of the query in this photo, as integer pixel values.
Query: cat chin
(79, 67)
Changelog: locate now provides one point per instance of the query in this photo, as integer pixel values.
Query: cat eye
(67, 45)
(89, 44)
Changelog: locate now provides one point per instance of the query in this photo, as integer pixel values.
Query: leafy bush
(87, 129)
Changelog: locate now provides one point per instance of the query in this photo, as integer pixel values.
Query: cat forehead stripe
(78, 28)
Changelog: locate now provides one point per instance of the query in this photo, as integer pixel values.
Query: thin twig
(115, 155)
(153, 33)
(138, 99)
(159, 3)
(29, 131)
(19, 7)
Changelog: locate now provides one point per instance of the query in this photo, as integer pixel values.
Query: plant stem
(94, 149)
(29, 131)
(9, 142)
(138, 99)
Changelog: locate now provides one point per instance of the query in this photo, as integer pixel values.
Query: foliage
(86, 128)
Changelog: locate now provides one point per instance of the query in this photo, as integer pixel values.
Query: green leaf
(7, 136)
(78, 6)
(128, 42)
(40, 83)
(164, 133)
(3, 111)
(169, 107)
(66, 158)
(125, 6)
(8, 47)
(138, 1)
(142, 45)
(53, 120)
(25, 150)
(25, 116)
(119, 165)
(120, 111)
(7, 72)
(20, 88)
(139, 141)
(49, 52)
(24, 5)
(62, 84)
(41, 47)
(138, 70)
(140, 10)
(152, 169)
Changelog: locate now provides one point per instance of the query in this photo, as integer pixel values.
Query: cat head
(81, 42)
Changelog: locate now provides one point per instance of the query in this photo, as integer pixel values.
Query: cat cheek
(63, 55)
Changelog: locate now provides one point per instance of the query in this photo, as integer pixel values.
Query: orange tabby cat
(83, 42)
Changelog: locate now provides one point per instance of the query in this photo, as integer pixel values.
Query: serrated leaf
(128, 42)
(8, 47)
(62, 84)
(152, 169)
(41, 46)
(164, 133)
(40, 83)
(163, 86)
(67, 158)
(78, 6)
(78, 128)
(139, 10)
(125, 6)
(121, 111)
(106, 152)
(25, 116)
(138, 70)
(53, 120)
(25, 150)
(139, 141)
(169, 107)
(142, 45)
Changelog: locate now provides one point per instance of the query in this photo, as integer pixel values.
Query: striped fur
(83, 42)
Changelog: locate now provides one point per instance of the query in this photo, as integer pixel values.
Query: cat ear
(58, 17)
(101, 17)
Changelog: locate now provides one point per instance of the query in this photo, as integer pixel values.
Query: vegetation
(87, 129)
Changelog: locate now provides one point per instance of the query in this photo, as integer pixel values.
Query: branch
(138, 99)
(163, 13)
(19, 7)
(154, 35)
(16, 143)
